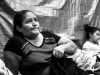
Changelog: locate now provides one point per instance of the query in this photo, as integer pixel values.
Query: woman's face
(30, 25)
(95, 36)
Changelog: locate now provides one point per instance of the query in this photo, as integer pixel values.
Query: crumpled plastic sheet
(64, 17)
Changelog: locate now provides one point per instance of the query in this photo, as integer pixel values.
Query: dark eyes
(98, 34)
(35, 19)
(31, 20)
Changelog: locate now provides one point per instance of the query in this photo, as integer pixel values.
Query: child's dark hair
(88, 29)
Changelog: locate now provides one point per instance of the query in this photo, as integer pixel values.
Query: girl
(92, 48)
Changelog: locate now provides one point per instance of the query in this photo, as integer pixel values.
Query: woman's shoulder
(47, 32)
(16, 39)
(50, 34)
(14, 44)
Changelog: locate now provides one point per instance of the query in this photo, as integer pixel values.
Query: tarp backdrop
(64, 17)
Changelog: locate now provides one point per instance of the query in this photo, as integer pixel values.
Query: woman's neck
(38, 38)
(32, 36)
(36, 41)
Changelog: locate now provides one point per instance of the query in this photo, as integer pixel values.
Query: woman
(29, 50)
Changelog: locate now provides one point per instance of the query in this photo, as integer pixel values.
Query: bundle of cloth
(3, 69)
(87, 60)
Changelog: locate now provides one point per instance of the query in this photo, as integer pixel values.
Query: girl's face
(30, 25)
(95, 36)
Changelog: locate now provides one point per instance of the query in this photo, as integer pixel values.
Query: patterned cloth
(3, 69)
(86, 60)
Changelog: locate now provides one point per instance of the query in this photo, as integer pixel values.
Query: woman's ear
(18, 28)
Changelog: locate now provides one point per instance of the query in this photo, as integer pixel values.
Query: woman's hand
(58, 53)
(67, 46)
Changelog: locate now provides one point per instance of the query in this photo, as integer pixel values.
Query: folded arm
(66, 46)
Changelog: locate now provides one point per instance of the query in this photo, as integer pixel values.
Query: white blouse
(88, 46)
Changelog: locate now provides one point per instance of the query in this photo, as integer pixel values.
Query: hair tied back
(87, 27)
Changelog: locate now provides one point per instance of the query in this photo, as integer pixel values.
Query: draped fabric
(64, 17)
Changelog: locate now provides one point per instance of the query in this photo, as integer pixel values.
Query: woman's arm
(65, 46)
(12, 61)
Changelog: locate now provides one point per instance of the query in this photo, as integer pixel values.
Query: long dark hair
(88, 29)
(18, 19)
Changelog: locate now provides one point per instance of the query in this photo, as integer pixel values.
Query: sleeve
(49, 34)
(86, 47)
(13, 45)
(57, 38)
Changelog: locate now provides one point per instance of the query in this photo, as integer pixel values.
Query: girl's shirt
(88, 46)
